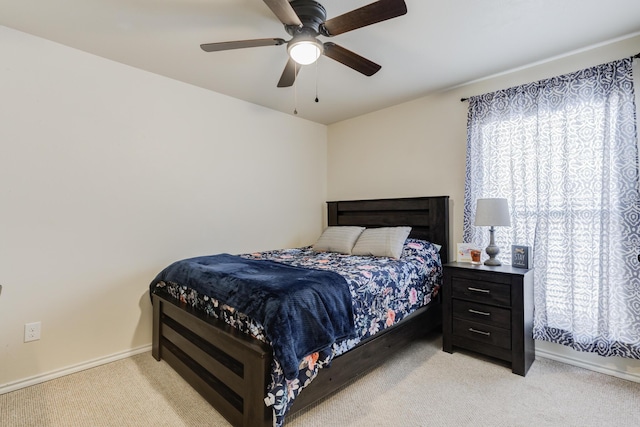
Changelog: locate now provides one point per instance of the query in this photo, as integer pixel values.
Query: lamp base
(492, 262)
(492, 250)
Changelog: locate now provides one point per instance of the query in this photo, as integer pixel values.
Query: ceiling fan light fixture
(305, 51)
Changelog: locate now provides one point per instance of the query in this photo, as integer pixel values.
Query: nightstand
(489, 310)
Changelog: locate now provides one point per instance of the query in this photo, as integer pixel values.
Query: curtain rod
(637, 55)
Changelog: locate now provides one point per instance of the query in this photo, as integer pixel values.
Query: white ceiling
(438, 44)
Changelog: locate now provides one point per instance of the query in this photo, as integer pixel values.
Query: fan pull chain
(317, 100)
(295, 88)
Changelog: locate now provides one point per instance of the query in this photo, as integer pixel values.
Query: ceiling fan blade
(350, 59)
(240, 44)
(285, 13)
(366, 15)
(289, 74)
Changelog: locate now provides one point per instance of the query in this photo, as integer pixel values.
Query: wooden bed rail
(371, 353)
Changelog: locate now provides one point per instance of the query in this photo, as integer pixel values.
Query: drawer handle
(479, 332)
(484, 291)
(484, 313)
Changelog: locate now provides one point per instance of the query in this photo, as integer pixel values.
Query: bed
(234, 371)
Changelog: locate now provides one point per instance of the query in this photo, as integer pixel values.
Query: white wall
(108, 174)
(418, 149)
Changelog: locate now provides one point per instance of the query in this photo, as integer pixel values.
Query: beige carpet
(421, 386)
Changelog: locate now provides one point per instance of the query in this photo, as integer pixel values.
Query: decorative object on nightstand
(475, 256)
(493, 213)
(464, 252)
(489, 310)
(521, 256)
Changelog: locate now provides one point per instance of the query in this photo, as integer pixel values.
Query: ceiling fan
(304, 21)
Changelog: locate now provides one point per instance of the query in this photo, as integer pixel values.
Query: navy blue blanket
(301, 310)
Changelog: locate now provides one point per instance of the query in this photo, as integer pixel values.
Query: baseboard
(6, 388)
(630, 376)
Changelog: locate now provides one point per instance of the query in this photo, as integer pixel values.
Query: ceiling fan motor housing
(312, 15)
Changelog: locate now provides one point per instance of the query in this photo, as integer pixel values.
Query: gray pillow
(338, 239)
(384, 241)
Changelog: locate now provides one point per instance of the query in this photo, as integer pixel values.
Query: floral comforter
(384, 291)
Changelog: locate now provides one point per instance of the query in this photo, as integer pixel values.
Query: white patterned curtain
(564, 152)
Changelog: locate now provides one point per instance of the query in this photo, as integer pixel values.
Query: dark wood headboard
(428, 217)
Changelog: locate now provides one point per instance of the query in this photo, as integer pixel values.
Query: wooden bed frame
(232, 370)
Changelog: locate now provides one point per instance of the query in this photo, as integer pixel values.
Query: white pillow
(384, 241)
(338, 239)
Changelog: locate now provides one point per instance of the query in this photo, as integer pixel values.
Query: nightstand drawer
(480, 291)
(480, 313)
(484, 333)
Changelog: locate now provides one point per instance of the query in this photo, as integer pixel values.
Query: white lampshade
(492, 212)
(305, 51)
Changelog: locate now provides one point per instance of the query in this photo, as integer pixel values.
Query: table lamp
(493, 213)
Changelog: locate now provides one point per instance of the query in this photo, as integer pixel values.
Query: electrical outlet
(32, 331)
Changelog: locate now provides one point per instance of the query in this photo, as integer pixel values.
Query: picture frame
(464, 252)
(521, 256)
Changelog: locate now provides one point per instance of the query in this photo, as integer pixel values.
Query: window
(564, 151)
